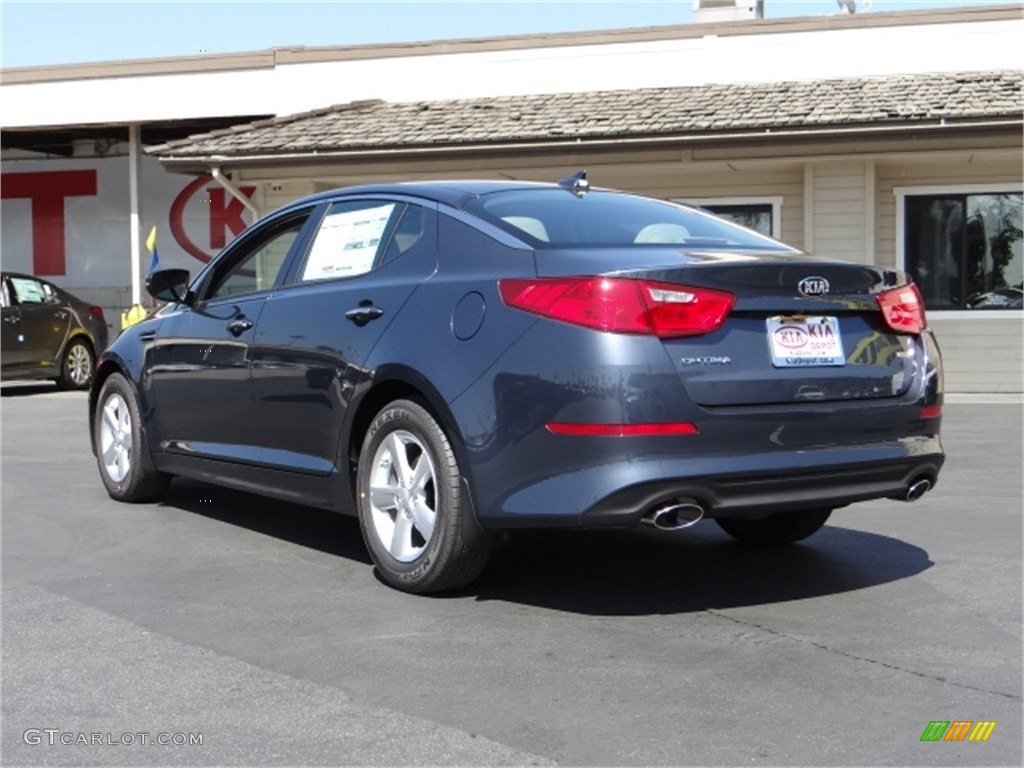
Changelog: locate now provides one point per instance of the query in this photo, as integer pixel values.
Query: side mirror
(169, 285)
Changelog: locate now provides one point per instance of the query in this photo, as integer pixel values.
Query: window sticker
(347, 243)
(28, 291)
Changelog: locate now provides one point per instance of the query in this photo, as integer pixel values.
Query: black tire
(423, 539)
(780, 528)
(77, 365)
(117, 434)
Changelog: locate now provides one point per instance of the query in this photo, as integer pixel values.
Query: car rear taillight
(621, 305)
(96, 312)
(903, 309)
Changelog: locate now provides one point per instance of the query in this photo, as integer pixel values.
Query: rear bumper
(618, 494)
(758, 495)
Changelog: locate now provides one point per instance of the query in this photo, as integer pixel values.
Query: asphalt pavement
(259, 628)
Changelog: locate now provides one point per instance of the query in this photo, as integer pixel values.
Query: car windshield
(557, 218)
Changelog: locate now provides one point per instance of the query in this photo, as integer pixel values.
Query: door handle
(12, 319)
(61, 315)
(364, 313)
(240, 326)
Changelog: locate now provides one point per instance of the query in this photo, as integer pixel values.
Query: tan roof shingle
(893, 100)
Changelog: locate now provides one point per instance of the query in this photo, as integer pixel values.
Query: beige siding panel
(273, 196)
(843, 195)
(981, 355)
(839, 210)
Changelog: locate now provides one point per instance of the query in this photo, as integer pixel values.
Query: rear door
(362, 265)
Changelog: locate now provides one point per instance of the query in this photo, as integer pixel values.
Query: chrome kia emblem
(813, 286)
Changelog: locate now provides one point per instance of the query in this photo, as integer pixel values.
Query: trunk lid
(802, 329)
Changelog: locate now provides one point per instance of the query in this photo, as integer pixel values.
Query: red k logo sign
(225, 213)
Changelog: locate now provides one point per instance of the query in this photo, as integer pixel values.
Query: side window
(354, 236)
(5, 300)
(256, 266)
(28, 291)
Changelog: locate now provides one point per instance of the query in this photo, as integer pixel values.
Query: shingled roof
(707, 109)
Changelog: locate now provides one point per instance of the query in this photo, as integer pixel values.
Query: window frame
(50, 297)
(302, 261)
(902, 193)
(293, 277)
(775, 201)
(248, 243)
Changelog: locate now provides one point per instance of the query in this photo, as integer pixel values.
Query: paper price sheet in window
(347, 243)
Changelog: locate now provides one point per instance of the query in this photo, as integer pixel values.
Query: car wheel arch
(396, 383)
(104, 370)
(82, 336)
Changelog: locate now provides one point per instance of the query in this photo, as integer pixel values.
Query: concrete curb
(979, 398)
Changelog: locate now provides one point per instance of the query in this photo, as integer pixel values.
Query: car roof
(453, 193)
(24, 275)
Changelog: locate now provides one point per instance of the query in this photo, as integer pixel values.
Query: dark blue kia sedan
(450, 361)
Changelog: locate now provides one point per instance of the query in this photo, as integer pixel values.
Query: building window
(964, 248)
(761, 214)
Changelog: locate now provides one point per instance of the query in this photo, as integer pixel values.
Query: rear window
(553, 218)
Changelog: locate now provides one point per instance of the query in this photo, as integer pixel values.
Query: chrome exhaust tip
(674, 516)
(918, 489)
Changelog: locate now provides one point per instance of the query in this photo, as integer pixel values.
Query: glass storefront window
(965, 251)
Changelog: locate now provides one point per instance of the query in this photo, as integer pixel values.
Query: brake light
(621, 305)
(96, 312)
(931, 412)
(903, 309)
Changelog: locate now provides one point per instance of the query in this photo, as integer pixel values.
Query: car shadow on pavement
(318, 529)
(24, 389)
(641, 572)
(605, 573)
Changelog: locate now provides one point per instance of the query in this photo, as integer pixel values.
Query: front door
(10, 347)
(42, 324)
(199, 366)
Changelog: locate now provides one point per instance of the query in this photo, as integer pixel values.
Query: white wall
(96, 227)
(288, 88)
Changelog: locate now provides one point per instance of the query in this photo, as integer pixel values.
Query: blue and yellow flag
(154, 260)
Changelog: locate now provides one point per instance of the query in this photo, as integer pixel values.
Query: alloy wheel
(116, 438)
(79, 365)
(403, 496)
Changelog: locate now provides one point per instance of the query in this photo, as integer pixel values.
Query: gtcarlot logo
(958, 730)
(55, 736)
